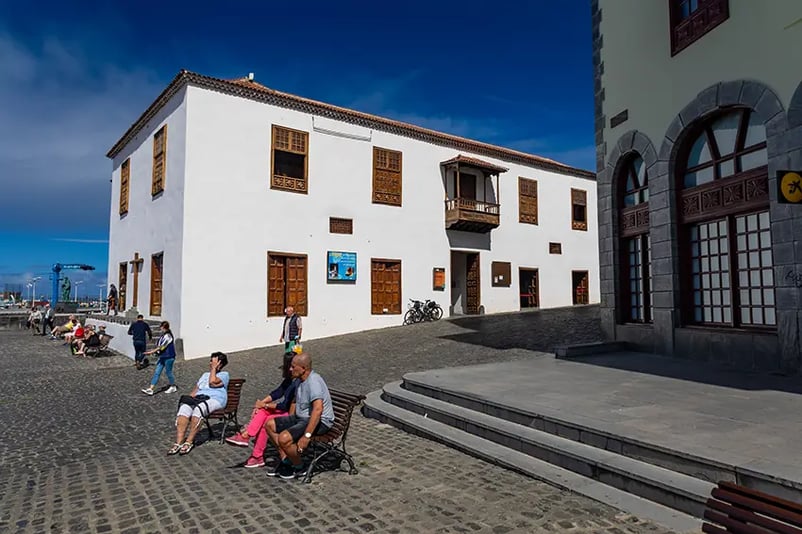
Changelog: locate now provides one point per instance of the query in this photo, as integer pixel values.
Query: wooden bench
(229, 413)
(734, 508)
(332, 443)
(105, 339)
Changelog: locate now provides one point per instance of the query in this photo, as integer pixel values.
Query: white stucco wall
(232, 219)
(152, 225)
(759, 41)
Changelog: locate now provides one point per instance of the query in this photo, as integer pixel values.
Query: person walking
(48, 319)
(291, 331)
(166, 351)
(140, 330)
(112, 300)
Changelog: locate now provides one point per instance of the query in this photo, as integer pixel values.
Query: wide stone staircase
(667, 486)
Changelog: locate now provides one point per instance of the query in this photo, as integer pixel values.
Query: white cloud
(78, 240)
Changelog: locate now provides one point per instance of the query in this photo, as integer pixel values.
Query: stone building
(699, 156)
(231, 200)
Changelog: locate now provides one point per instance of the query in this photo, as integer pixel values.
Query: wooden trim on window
(125, 185)
(555, 248)
(579, 203)
(293, 142)
(339, 225)
(387, 176)
(159, 161)
(684, 32)
(527, 200)
(156, 283)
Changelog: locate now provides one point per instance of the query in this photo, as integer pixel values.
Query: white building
(228, 196)
(699, 136)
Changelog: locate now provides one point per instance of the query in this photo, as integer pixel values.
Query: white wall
(152, 225)
(232, 218)
(759, 41)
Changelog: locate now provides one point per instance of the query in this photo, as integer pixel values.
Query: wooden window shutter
(159, 161)
(296, 284)
(527, 200)
(579, 209)
(289, 160)
(387, 170)
(287, 283)
(341, 226)
(125, 184)
(156, 281)
(275, 285)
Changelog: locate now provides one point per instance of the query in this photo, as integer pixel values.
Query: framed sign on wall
(439, 279)
(341, 266)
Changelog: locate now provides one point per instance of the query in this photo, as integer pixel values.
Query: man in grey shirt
(314, 415)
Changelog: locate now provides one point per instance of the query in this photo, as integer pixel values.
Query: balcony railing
(471, 215)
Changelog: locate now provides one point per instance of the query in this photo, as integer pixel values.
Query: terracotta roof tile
(245, 88)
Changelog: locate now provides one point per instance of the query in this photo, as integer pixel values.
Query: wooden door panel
(296, 284)
(275, 285)
(472, 287)
(122, 285)
(385, 287)
(156, 271)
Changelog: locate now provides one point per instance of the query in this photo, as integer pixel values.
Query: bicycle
(422, 311)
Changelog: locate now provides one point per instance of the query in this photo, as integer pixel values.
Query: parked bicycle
(422, 311)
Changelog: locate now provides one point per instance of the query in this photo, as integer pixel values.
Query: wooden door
(472, 287)
(296, 283)
(122, 283)
(156, 273)
(385, 282)
(580, 283)
(467, 186)
(530, 288)
(275, 285)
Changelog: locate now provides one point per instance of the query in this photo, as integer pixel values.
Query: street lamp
(76, 289)
(33, 281)
(30, 285)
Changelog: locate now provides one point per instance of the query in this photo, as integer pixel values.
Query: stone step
(377, 408)
(669, 488)
(587, 431)
(567, 352)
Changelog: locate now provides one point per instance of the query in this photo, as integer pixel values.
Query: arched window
(636, 276)
(726, 249)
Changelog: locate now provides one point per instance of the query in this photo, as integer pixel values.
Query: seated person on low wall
(63, 329)
(314, 415)
(276, 404)
(210, 394)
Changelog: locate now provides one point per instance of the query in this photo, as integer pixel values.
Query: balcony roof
(476, 163)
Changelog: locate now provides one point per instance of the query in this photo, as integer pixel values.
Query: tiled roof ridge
(247, 88)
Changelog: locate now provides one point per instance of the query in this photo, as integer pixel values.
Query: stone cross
(137, 265)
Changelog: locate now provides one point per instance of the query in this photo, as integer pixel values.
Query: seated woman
(90, 339)
(264, 410)
(210, 394)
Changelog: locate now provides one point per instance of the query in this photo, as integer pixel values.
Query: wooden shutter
(385, 279)
(501, 273)
(341, 226)
(555, 248)
(292, 142)
(579, 209)
(386, 176)
(275, 285)
(580, 282)
(156, 273)
(159, 160)
(125, 181)
(122, 283)
(473, 291)
(296, 284)
(527, 200)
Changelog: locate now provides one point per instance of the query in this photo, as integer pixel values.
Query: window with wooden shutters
(501, 271)
(122, 284)
(286, 283)
(555, 248)
(527, 200)
(385, 281)
(156, 275)
(579, 209)
(159, 161)
(341, 226)
(125, 184)
(580, 283)
(289, 160)
(386, 176)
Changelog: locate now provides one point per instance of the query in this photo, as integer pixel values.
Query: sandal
(185, 448)
(174, 449)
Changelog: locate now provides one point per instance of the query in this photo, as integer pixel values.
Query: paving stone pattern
(84, 451)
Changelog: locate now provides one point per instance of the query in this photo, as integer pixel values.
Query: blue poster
(342, 266)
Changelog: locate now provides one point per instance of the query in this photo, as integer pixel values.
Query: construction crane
(56, 277)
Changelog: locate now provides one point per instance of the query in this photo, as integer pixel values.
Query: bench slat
(732, 525)
(761, 496)
(765, 508)
(728, 515)
(712, 529)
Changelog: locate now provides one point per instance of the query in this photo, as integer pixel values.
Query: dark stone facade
(775, 352)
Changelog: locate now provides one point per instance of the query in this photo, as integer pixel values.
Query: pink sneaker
(238, 440)
(255, 462)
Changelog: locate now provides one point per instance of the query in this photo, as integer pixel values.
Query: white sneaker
(147, 391)
(171, 389)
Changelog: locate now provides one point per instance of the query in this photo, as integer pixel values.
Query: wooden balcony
(470, 215)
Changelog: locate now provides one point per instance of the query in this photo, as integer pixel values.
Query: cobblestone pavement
(83, 450)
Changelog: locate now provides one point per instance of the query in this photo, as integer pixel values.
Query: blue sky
(75, 75)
